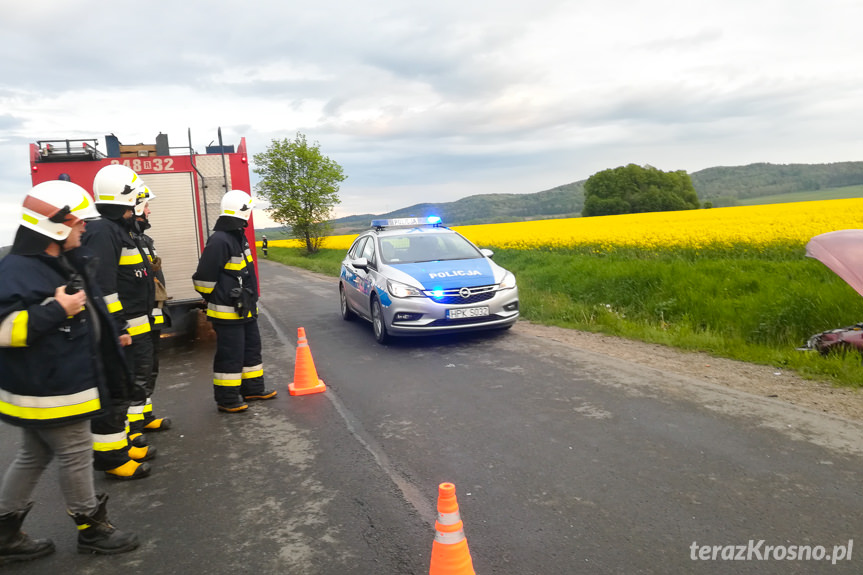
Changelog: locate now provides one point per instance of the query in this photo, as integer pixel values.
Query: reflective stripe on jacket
(226, 266)
(124, 274)
(51, 372)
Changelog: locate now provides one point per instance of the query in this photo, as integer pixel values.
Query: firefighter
(227, 281)
(60, 365)
(141, 417)
(264, 245)
(124, 277)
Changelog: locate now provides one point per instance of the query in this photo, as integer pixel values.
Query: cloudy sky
(435, 101)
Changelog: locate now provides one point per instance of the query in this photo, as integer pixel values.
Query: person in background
(264, 245)
(61, 364)
(226, 279)
(123, 276)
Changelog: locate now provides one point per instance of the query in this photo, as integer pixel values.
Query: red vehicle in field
(188, 189)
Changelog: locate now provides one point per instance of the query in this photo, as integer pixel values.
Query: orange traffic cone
(450, 555)
(305, 375)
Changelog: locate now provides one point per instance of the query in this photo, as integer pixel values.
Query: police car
(413, 276)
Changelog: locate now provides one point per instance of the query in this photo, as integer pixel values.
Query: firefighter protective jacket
(148, 248)
(123, 274)
(51, 366)
(226, 274)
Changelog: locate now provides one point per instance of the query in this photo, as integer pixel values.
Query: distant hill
(561, 202)
(725, 186)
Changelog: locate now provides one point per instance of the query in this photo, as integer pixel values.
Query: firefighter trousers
(238, 368)
(110, 439)
(140, 356)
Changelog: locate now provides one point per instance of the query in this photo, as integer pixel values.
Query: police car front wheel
(347, 313)
(378, 323)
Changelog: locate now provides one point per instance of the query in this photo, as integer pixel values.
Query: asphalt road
(565, 462)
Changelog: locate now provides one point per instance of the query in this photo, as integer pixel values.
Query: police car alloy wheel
(378, 321)
(347, 313)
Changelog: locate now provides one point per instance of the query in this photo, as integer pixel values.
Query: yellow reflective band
(236, 264)
(84, 203)
(227, 382)
(226, 379)
(13, 329)
(148, 408)
(204, 287)
(253, 374)
(53, 407)
(110, 442)
(113, 303)
(158, 319)
(222, 312)
(29, 219)
(138, 325)
(136, 416)
(130, 257)
(106, 197)
(230, 212)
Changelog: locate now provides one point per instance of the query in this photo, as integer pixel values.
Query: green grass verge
(753, 309)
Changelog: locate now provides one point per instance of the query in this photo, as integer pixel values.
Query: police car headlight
(508, 281)
(398, 289)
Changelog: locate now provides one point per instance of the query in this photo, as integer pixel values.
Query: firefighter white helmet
(237, 204)
(117, 185)
(145, 195)
(53, 208)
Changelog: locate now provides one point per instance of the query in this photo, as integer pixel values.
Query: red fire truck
(188, 189)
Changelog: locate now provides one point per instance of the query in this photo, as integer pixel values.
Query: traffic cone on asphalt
(305, 375)
(450, 555)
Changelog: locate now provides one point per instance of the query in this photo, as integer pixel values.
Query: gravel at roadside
(764, 381)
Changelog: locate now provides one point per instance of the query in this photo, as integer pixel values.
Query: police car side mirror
(487, 253)
(361, 263)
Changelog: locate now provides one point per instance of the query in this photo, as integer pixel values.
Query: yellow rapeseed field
(791, 224)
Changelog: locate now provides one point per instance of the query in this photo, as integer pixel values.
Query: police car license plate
(466, 312)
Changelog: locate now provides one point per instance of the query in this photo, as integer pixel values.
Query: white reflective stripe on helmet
(54, 207)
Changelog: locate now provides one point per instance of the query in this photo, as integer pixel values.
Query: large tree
(302, 186)
(634, 189)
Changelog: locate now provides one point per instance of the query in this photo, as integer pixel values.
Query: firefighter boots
(15, 545)
(129, 470)
(142, 453)
(265, 394)
(138, 439)
(157, 423)
(97, 535)
(237, 407)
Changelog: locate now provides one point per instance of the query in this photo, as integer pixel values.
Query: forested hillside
(727, 185)
(561, 202)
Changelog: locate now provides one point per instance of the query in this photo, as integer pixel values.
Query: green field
(756, 309)
(812, 196)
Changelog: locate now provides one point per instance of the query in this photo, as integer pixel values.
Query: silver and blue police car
(413, 276)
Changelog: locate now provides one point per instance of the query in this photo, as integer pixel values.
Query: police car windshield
(423, 247)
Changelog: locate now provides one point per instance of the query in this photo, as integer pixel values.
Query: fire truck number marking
(154, 164)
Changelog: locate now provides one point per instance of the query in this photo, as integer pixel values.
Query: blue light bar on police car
(429, 221)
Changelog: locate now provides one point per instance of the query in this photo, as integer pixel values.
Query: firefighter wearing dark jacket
(141, 416)
(60, 365)
(226, 279)
(124, 279)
